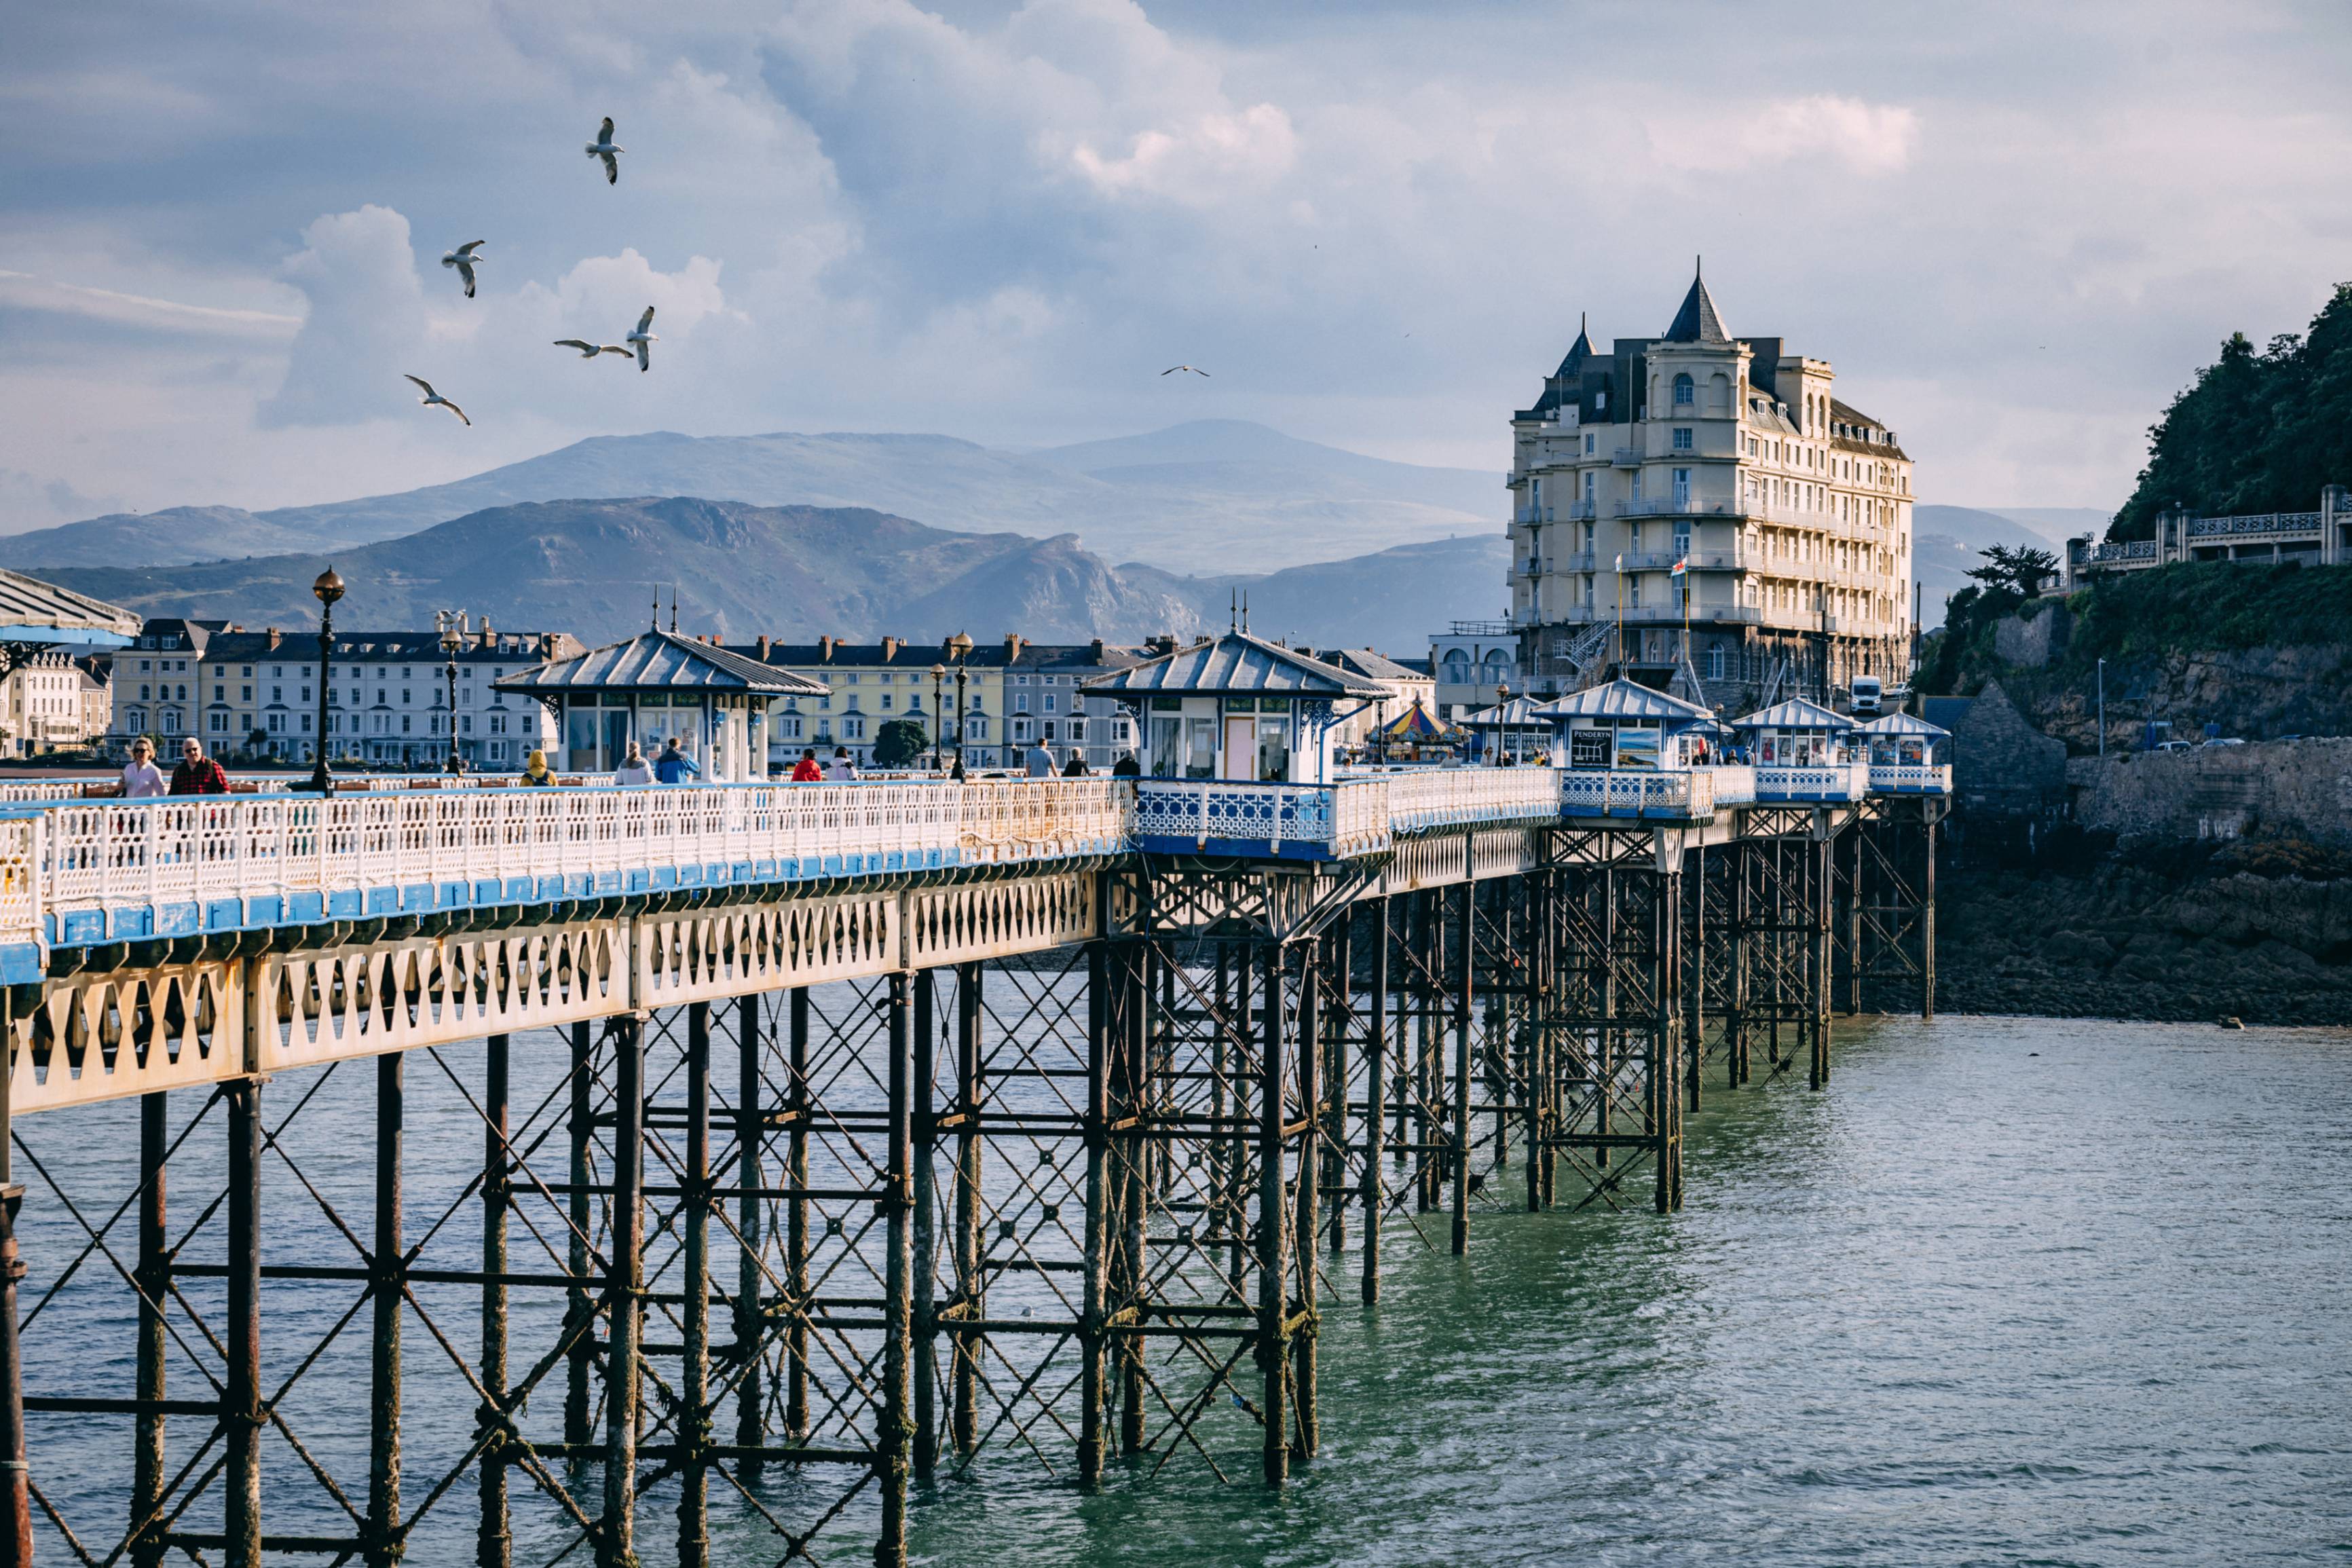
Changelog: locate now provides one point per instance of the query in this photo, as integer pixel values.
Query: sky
(2015, 229)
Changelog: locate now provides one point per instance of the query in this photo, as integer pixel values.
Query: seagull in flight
(1172, 369)
(432, 399)
(604, 147)
(644, 338)
(590, 351)
(463, 260)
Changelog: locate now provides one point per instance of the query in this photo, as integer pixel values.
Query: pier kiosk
(1624, 726)
(1239, 709)
(656, 686)
(1796, 734)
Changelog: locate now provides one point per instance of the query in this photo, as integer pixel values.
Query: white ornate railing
(197, 849)
(1446, 797)
(1911, 778)
(2296, 522)
(1734, 783)
(1637, 794)
(1817, 782)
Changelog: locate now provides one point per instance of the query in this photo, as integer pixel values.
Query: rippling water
(2011, 1291)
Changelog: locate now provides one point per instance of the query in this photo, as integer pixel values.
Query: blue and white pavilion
(1238, 706)
(1795, 733)
(656, 686)
(1623, 725)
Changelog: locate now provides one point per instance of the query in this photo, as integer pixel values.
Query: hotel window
(1715, 662)
(1683, 393)
(852, 728)
(1588, 443)
(1682, 438)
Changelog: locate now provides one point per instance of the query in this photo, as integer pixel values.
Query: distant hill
(1946, 541)
(159, 538)
(1194, 498)
(591, 567)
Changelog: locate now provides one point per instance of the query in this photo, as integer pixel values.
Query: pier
(800, 1146)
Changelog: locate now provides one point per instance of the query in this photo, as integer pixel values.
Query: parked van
(1867, 692)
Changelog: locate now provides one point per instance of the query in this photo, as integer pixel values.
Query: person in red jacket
(808, 769)
(197, 774)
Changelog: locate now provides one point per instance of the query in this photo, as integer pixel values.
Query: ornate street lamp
(329, 588)
(1502, 701)
(960, 646)
(452, 625)
(939, 719)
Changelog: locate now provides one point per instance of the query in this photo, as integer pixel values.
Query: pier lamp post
(329, 588)
(939, 719)
(960, 646)
(452, 625)
(1502, 721)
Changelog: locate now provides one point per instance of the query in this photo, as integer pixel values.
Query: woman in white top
(634, 770)
(141, 777)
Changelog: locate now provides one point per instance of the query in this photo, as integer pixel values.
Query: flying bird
(463, 260)
(432, 399)
(606, 148)
(644, 338)
(1172, 369)
(590, 351)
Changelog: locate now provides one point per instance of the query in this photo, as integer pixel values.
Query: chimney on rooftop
(763, 647)
(889, 649)
(488, 639)
(273, 636)
(1163, 643)
(1011, 646)
(1095, 649)
(825, 650)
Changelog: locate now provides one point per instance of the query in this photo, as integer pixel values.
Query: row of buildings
(390, 701)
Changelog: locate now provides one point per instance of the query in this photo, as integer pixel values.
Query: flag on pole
(1681, 566)
(1621, 562)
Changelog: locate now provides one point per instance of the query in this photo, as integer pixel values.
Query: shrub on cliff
(2197, 606)
(2258, 431)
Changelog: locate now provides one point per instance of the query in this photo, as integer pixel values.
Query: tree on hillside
(2022, 571)
(2259, 430)
(900, 742)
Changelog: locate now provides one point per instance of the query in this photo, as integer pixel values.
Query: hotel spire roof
(1697, 322)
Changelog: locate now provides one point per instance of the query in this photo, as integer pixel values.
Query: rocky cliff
(2259, 930)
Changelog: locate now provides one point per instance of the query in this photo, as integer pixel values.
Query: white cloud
(366, 324)
(1697, 134)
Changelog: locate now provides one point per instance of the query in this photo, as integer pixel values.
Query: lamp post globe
(328, 587)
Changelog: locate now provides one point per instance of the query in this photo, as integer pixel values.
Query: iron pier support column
(1130, 973)
(1695, 983)
(1663, 1093)
(1374, 1199)
(1466, 980)
(1340, 1018)
(1305, 1226)
(241, 1393)
(624, 1281)
(1818, 1001)
(1100, 1224)
(694, 1372)
(154, 1275)
(580, 1320)
(891, 1445)
(1273, 1348)
(748, 1319)
(388, 1271)
(1537, 1070)
(925, 1319)
(1735, 1018)
(1927, 923)
(964, 1382)
(797, 1172)
(16, 1479)
(494, 1541)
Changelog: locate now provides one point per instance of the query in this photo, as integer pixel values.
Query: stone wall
(2034, 643)
(2299, 787)
(2001, 762)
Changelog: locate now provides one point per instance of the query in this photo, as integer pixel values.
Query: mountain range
(1193, 498)
(596, 568)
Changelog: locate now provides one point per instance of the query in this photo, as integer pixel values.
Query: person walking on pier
(197, 774)
(141, 779)
(674, 766)
(634, 768)
(535, 773)
(808, 769)
(1040, 762)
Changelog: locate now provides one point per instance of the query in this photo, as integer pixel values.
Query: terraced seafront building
(1790, 510)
